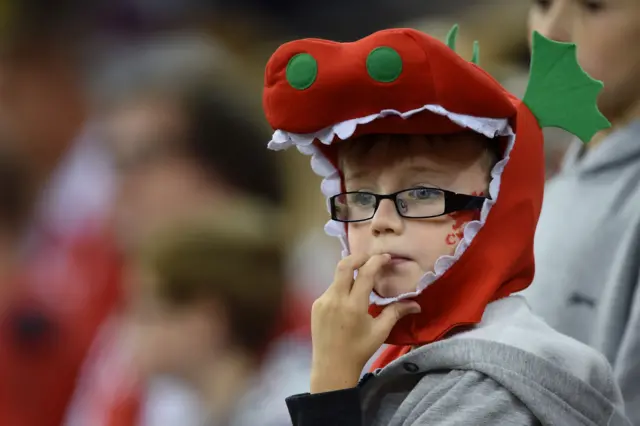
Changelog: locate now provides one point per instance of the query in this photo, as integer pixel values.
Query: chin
(394, 286)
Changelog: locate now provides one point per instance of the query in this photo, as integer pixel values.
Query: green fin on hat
(452, 37)
(560, 93)
(476, 53)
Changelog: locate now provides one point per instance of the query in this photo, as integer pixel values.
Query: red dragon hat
(319, 93)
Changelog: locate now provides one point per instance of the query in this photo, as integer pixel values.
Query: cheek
(358, 238)
(614, 69)
(595, 56)
(181, 343)
(534, 23)
(459, 221)
(155, 348)
(607, 47)
(428, 238)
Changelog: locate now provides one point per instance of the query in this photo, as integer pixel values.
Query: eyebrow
(413, 170)
(358, 174)
(424, 169)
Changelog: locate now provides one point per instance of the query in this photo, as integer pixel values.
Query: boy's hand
(344, 335)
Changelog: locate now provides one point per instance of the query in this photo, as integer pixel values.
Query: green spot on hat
(384, 64)
(302, 71)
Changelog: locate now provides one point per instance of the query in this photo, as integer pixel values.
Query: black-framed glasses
(412, 203)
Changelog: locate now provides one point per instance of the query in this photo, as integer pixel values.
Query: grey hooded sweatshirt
(510, 369)
(587, 251)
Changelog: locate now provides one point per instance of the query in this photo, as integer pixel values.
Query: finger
(343, 278)
(392, 314)
(365, 281)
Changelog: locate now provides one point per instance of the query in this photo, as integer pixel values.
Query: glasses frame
(453, 202)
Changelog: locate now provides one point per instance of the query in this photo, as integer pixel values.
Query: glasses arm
(454, 202)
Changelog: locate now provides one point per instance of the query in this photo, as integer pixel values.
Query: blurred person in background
(210, 296)
(588, 236)
(66, 271)
(12, 206)
(184, 140)
(504, 54)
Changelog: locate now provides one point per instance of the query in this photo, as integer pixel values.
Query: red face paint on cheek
(450, 239)
(460, 219)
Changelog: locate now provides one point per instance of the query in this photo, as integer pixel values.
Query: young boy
(588, 239)
(208, 299)
(434, 178)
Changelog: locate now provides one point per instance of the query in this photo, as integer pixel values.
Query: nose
(556, 22)
(387, 220)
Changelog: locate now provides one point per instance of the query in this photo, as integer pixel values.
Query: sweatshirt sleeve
(339, 408)
(465, 398)
(459, 398)
(626, 366)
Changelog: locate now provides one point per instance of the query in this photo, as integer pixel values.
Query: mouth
(398, 259)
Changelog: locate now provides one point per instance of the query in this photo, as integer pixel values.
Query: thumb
(394, 313)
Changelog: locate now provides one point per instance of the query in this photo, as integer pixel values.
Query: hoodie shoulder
(559, 380)
(458, 397)
(525, 385)
(510, 321)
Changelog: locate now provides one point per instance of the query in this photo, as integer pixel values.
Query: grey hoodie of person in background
(587, 250)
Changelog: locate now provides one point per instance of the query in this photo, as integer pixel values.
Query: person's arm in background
(627, 361)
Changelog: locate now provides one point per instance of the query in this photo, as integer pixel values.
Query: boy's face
(459, 163)
(606, 33)
(171, 340)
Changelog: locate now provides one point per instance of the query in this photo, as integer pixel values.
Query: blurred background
(129, 131)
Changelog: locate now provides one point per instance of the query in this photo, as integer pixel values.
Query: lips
(397, 259)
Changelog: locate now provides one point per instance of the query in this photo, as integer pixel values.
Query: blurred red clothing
(66, 290)
(68, 283)
(108, 393)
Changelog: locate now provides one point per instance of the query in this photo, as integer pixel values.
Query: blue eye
(424, 193)
(363, 199)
